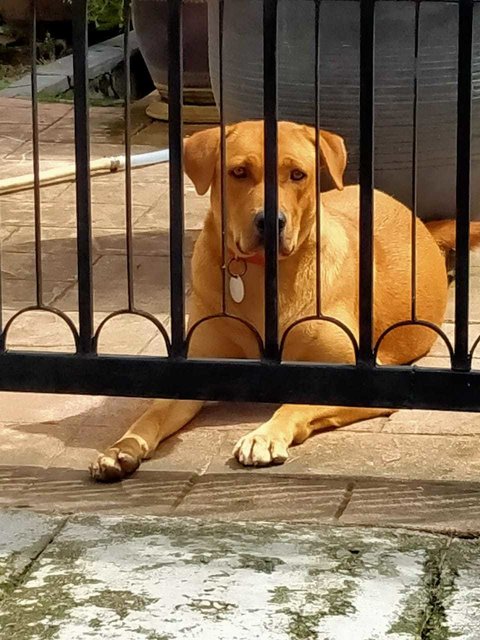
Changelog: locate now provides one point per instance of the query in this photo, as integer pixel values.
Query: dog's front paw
(113, 465)
(258, 449)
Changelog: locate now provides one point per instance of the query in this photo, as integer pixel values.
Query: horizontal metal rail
(242, 380)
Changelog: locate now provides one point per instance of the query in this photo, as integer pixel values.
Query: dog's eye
(297, 175)
(239, 172)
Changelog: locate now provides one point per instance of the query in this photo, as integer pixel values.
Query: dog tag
(237, 289)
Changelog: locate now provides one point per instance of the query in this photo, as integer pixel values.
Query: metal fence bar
(367, 54)
(36, 160)
(223, 155)
(271, 351)
(413, 237)
(461, 358)
(318, 183)
(175, 135)
(128, 155)
(82, 159)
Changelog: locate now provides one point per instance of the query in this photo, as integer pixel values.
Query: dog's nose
(259, 222)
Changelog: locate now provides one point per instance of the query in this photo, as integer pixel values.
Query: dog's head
(245, 187)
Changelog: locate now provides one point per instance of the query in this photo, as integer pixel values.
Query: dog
(314, 340)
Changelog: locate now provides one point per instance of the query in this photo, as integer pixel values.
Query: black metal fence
(268, 379)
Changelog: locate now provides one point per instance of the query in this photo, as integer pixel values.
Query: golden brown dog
(317, 341)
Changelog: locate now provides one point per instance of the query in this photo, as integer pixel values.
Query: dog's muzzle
(259, 222)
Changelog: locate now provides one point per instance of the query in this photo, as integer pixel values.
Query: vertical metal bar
(271, 351)
(413, 239)
(128, 156)
(367, 54)
(82, 160)
(175, 135)
(318, 213)
(36, 160)
(464, 113)
(223, 191)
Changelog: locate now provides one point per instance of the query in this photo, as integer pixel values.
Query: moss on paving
(281, 595)
(440, 573)
(303, 622)
(153, 635)
(410, 618)
(119, 601)
(67, 97)
(424, 614)
(215, 609)
(39, 612)
(261, 564)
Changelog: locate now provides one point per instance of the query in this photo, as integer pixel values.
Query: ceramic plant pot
(339, 85)
(150, 18)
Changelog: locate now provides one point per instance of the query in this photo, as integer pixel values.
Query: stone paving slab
(253, 495)
(347, 452)
(150, 277)
(19, 112)
(446, 423)
(67, 491)
(106, 239)
(63, 215)
(103, 577)
(434, 506)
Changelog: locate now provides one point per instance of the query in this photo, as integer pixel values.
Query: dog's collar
(236, 269)
(256, 258)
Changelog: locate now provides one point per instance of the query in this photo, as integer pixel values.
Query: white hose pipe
(67, 173)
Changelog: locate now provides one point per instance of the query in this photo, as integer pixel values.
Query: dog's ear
(332, 147)
(200, 153)
(333, 153)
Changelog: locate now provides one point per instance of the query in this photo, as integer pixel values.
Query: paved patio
(415, 469)
(90, 577)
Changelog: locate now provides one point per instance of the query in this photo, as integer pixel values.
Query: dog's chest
(245, 297)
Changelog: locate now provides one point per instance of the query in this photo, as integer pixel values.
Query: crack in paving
(21, 577)
(58, 296)
(189, 486)
(193, 480)
(439, 584)
(345, 501)
(10, 234)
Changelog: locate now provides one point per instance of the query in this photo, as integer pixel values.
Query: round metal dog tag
(237, 289)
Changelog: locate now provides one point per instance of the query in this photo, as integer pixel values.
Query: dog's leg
(293, 424)
(162, 419)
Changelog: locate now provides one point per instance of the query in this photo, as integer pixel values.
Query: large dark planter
(150, 19)
(19, 11)
(339, 86)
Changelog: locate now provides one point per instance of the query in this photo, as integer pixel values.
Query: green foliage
(106, 14)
